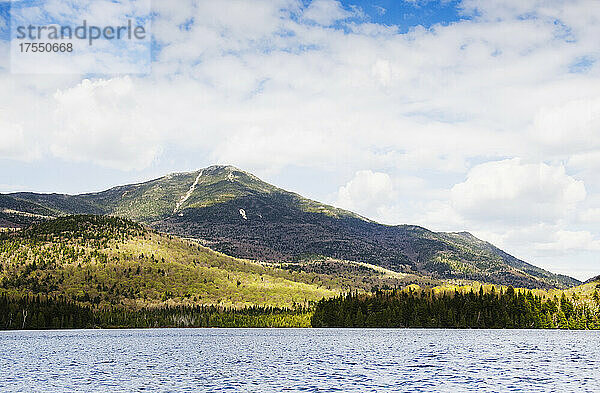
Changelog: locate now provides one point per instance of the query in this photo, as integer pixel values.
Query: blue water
(299, 360)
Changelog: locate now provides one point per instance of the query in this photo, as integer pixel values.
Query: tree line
(47, 312)
(506, 308)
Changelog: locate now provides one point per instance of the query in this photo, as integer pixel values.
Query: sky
(470, 115)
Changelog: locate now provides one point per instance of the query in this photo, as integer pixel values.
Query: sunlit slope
(104, 260)
(589, 291)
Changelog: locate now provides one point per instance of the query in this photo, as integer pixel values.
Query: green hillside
(105, 261)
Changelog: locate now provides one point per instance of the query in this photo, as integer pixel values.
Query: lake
(303, 360)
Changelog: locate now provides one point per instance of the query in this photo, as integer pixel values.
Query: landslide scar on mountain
(189, 193)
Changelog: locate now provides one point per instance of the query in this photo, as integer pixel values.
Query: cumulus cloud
(389, 199)
(398, 105)
(516, 192)
(366, 190)
(100, 121)
(588, 161)
(325, 12)
(543, 240)
(571, 252)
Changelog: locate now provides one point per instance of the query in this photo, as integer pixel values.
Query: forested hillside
(106, 261)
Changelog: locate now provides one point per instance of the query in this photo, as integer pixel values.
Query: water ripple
(297, 360)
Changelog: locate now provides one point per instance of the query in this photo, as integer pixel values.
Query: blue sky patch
(406, 14)
(4, 20)
(582, 64)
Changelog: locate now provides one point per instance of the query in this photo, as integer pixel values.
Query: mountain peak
(223, 168)
(213, 173)
(209, 170)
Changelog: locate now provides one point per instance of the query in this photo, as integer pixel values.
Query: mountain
(236, 213)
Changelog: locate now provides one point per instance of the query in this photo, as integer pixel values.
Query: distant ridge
(237, 213)
(593, 279)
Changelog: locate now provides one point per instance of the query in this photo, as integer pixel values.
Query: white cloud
(439, 215)
(100, 121)
(571, 127)
(542, 240)
(379, 100)
(267, 149)
(561, 251)
(514, 192)
(590, 215)
(325, 12)
(380, 196)
(366, 190)
(564, 241)
(14, 144)
(382, 71)
(585, 161)
(380, 10)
